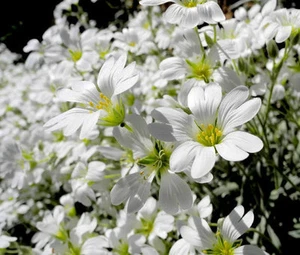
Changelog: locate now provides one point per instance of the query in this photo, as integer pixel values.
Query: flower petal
(183, 156)
(207, 237)
(183, 126)
(249, 250)
(283, 34)
(210, 12)
(245, 141)
(174, 194)
(190, 235)
(89, 124)
(204, 102)
(229, 151)
(204, 161)
(235, 224)
(173, 68)
(241, 115)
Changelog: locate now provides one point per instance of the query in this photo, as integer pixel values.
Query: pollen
(209, 135)
(103, 103)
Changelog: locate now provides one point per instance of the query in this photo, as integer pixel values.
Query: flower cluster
(122, 140)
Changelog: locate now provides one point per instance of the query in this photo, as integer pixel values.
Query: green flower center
(158, 160)
(122, 249)
(75, 55)
(201, 70)
(209, 135)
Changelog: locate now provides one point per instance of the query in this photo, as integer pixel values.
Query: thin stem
(200, 43)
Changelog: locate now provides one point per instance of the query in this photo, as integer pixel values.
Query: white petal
(270, 31)
(70, 121)
(230, 151)
(121, 191)
(82, 86)
(68, 95)
(154, 2)
(235, 224)
(190, 18)
(190, 235)
(245, 141)
(210, 12)
(207, 237)
(174, 194)
(174, 13)
(204, 161)
(241, 115)
(95, 245)
(269, 7)
(203, 103)
(231, 101)
(173, 68)
(137, 201)
(105, 81)
(140, 131)
(182, 156)
(249, 250)
(161, 131)
(149, 209)
(216, 11)
(283, 34)
(227, 78)
(127, 81)
(183, 125)
(163, 224)
(89, 124)
(181, 247)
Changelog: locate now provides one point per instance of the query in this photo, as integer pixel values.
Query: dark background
(22, 20)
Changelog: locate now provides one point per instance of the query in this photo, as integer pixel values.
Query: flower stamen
(209, 135)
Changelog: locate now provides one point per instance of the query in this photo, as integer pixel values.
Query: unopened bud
(272, 49)
(242, 65)
(295, 39)
(208, 40)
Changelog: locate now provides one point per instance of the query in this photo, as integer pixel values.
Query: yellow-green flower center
(147, 227)
(115, 112)
(222, 247)
(192, 3)
(61, 234)
(104, 103)
(209, 135)
(201, 70)
(75, 55)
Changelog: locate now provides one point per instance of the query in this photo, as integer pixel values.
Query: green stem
(200, 43)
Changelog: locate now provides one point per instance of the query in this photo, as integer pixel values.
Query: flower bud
(208, 40)
(272, 49)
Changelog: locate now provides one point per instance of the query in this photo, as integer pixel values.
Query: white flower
(281, 24)
(190, 13)
(209, 129)
(153, 158)
(104, 106)
(224, 241)
(5, 240)
(51, 228)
